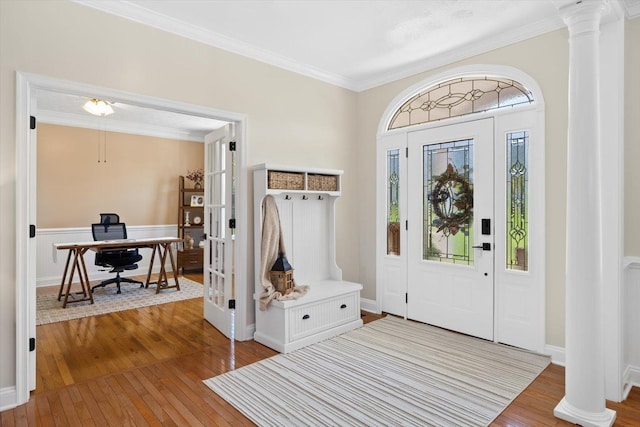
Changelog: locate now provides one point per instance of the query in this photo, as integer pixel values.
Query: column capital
(582, 16)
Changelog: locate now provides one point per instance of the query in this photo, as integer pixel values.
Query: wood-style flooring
(145, 367)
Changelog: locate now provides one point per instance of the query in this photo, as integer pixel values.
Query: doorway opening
(28, 87)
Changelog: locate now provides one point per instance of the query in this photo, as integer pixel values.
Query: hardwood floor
(146, 366)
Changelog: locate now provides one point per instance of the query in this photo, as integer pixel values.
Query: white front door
(218, 211)
(450, 239)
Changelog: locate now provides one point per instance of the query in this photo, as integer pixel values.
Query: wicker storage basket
(322, 182)
(286, 180)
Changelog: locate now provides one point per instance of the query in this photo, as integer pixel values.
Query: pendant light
(98, 107)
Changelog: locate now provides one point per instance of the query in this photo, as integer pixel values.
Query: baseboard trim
(556, 353)
(8, 398)
(631, 378)
(369, 305)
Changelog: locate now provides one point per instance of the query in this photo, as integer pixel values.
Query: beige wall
(292, 119)
(632, 139)
(139, 179)
(545, 59)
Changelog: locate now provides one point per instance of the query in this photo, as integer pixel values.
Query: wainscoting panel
(50, 262)
(631, 303)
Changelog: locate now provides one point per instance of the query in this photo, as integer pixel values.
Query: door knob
(484, 247)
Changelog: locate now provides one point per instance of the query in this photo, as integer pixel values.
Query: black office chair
(109, 218)
(118, 260)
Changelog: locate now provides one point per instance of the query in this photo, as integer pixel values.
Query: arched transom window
(458, 97)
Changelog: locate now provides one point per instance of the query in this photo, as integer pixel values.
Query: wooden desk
(160, 245)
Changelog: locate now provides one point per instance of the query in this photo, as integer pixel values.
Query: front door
(218, 210)
(450, 227)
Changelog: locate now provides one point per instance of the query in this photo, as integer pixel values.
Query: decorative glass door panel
(448, 202)
(393, 202)
(450, 256)
(517, 201)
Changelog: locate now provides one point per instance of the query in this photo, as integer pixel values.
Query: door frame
(400, 135)
(25, 288)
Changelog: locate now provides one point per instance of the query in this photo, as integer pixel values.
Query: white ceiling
(356, 44)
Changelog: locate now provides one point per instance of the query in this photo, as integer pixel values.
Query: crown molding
(111, 125)
(141, 15)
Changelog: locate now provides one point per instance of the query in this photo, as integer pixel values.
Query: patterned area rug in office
(391, 372)
(49, 309)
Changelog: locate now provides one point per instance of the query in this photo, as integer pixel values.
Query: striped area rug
(391, 372)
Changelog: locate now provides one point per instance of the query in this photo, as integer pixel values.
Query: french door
(450, 259)
(218, 210)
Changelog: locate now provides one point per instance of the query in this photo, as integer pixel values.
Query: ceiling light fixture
(98, 107)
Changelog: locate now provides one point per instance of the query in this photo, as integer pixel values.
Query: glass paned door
(450, 255)
(218, 254)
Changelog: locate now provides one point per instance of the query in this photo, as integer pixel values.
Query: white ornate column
(584, 400)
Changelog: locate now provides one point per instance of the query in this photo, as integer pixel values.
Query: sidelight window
(517, 201)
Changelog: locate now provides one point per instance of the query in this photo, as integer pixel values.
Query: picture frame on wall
(197, 201)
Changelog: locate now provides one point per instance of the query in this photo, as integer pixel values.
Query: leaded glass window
(448, 202)
(458, 97)
(517, 201)
(393, 202)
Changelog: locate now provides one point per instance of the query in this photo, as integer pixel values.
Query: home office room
(139, 174)
(374, 174)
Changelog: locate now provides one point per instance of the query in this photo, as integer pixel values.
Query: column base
(565, 411)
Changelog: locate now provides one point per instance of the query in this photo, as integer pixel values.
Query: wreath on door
(452, 201)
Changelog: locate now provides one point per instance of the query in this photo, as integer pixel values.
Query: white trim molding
(369, 305)
(631, 321)
(631, 262)
(93, 122)
(556, 353)
(8, 398)
(631, 378)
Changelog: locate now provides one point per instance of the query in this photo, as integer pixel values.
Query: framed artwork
(197, 201)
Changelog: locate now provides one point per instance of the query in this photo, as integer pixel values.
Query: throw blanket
(272, 245)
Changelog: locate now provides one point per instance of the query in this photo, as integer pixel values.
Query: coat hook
(320, 198)
(287, 197)
(304, 197)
